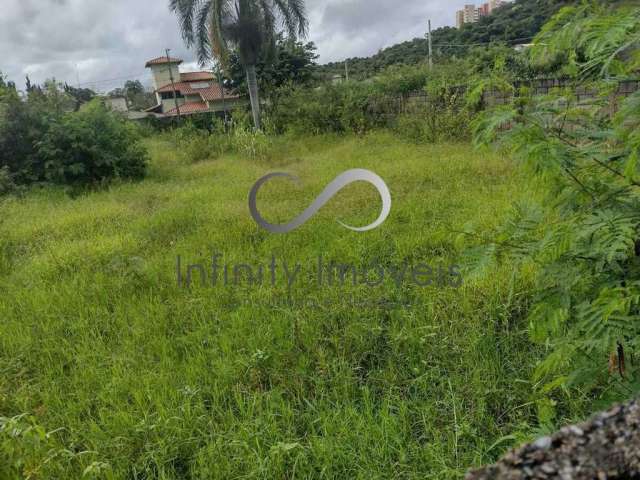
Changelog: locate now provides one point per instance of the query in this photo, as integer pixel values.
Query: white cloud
(107, 42)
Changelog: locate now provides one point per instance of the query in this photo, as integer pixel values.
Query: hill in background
(511, 24)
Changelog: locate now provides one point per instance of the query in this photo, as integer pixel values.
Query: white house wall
(161, 75)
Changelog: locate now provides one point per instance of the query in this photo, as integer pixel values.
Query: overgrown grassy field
(110, 369)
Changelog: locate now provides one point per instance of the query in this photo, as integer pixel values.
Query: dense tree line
(513, 23)
(49, 135)
(291, 62)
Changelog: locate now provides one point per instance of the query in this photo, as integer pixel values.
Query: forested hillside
(514, 23)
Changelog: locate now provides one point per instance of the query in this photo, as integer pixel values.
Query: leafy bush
(358, 107)
(196, 145)
(411, 127)
(345, 108)
(22, 124)
(585, 237)
(91, 146)
(442, 118)
(402, 79)
(43, 139)
(197, 148)
(250, 143)
(193, 143)
(6, 181)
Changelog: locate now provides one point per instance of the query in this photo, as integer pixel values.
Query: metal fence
(420, 100)
(546, 86)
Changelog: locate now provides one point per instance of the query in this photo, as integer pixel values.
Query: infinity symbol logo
(347, 178)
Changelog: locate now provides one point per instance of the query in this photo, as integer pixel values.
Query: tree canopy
(511, 24)
(291, 64)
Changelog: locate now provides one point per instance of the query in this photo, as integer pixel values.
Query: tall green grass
(109, 370)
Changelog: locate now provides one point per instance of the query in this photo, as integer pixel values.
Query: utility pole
(218, 73)
(173, 85)
(430, 48)
(346, 70)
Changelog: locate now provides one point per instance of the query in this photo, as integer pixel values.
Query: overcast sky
(109, 41)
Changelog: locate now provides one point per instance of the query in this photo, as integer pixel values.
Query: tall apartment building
(470, 13)
(493, 4)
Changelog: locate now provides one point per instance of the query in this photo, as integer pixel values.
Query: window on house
(169, 95)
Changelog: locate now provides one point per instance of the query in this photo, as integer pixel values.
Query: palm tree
(249, 26)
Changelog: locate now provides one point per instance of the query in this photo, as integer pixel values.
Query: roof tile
(189, 108)
(163, 60)
(196, 76)
(210, 93)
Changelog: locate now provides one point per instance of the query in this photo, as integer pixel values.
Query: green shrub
(441, 118)
(346, 108)
(583, 237)
(42, 139)
(22, 124)
(250, 143)
(146, 129)
(197, 148)
(402, 79)
(358, 107)
(184, 133)
(411, 128)
(6, 181)
(92, 146)
(196, 145)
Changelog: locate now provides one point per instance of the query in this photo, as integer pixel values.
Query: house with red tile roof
(187, 93)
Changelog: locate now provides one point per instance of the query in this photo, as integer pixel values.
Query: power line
(430, 47)
(127, 77)
(515, 41)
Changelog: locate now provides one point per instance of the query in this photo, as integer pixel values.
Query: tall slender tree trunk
(252, 83)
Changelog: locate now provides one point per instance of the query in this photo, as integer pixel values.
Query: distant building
(522, 46)
(471, 14)
(117, 104)
(484, 10)
(193, 92)
(493, 4)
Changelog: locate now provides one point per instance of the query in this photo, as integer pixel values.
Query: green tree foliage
(22, 123)
(329, 109)
(437, 113)
(466, 71)
(6, 84)
(91, 146)
(513, 23)
(43, 138)
(291, 64)
(80, 95)
(133, 87)
(584, 240)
